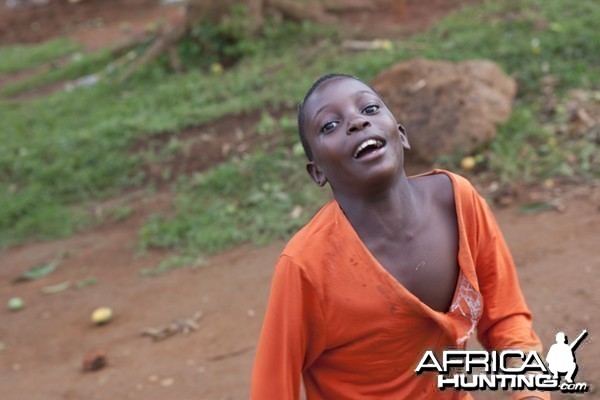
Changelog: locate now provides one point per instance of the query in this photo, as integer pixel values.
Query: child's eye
(371, 108)
(329, 126)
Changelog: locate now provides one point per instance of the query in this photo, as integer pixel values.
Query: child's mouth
(367, 147)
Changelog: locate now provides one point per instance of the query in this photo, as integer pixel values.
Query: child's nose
(358, 124)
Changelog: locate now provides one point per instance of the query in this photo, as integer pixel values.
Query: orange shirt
(339, 319)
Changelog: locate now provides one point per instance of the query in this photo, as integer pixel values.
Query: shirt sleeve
(506, 322)
(292, 336)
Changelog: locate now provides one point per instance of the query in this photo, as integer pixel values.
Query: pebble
(296, 212)
(94, 361)
(153, 378)
(167, 382)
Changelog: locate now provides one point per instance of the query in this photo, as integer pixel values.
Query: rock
(167, 382)
(94, 361)
(446, 107)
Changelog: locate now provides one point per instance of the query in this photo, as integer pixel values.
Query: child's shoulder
(316, 233)
(448, 190)
(443, 183)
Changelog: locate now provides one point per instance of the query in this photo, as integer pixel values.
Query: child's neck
(388, 213)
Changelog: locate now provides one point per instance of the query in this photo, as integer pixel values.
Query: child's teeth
(365, 144)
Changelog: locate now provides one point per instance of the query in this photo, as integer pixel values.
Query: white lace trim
(469, 303)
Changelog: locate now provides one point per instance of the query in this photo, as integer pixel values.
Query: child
(392, 267)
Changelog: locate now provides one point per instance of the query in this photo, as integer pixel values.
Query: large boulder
(446, 108)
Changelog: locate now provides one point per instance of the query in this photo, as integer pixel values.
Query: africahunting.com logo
(508, 369)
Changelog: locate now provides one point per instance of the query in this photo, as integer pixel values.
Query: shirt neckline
(402, 290)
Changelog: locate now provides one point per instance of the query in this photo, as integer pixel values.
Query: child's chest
(427, 266)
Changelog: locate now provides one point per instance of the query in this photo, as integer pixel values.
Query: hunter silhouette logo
(508, 369)
(561, 356)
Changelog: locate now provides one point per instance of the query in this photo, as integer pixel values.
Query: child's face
(353, 136)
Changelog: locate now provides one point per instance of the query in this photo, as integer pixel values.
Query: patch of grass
(18, 58)
(89, 281)
(117, 213)
(524, 150)
(257, 198)
(35, 214)
(78, 66)
(174, 262)
(528, 38)
(72, 147)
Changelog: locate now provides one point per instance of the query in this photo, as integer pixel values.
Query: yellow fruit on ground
(102, 315)
(468, 162)
(216, 68)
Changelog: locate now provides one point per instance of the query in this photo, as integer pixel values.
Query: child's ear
(316, 174)
(403, 137)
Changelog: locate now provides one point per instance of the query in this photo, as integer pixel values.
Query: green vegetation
(528, 38)
(65, 150)
(257, 198)
(18, 58)
(77, 66)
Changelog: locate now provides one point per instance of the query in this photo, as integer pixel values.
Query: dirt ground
(557, 255)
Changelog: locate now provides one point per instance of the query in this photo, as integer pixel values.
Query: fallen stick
(183, 325)
(235, 353)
